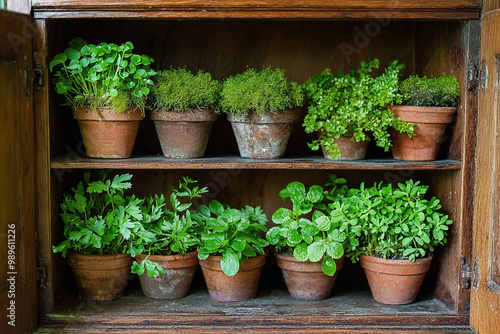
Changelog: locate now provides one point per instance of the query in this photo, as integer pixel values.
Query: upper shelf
(259, 9)
(302, 163)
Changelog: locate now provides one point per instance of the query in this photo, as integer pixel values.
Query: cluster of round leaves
(393, 222)
(231, 233)
(179, 89)
(95, 75)
(265, 91)
(430, 92)
(353, 105)
(316, 239)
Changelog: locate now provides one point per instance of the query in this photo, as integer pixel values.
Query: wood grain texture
(485, 294)
(17, 191)
(272, 310)
(308, 163)
(19, 6)
(403, 9)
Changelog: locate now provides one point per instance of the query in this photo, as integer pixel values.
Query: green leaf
(273, 235)
(323, 223)
(315, 251)
(77, 43)
(58, 59)
(230, 264)
(335, 250)
(281, 214)
(329, 266)
(315, 194)
(72, 54)
(120, 181)
(216, 207)
(300, 252)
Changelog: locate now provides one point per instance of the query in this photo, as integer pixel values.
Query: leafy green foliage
(260, 92)
(179, 89)
(103, 75)
(164, 231)
(316, 239)
(353, 105)
(232, 233)
(394, 223)
(98, 218)
(430, 92)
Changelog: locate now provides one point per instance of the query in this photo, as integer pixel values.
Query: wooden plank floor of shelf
(300, 163)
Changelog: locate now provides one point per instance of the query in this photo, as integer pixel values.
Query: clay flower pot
(240, 287)
(349, 149)
(431, 126)
(263, 137)
(394, 282)
(107, 134)
(306, 280)
(100, 277)
(183, 134)
(174, 283)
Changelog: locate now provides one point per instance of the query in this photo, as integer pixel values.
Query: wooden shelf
(262, 9)
(272, 311)
(300, 163)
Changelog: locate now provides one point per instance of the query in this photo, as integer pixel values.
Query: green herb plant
(98, 218)
(179, 89)
(164, 231)
(103, 75)
(393, 222)
(261, 92)
(316, 239)
(430, 92)
(353, 105)
(231, 233)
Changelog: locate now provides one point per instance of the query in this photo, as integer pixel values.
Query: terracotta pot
(107, 134)
(349, 149)
(183, 134)
(394, 282)
(431, 126)
(263, 137)
(174, 283)
(100, 277)
(240, 287)
(306, 280)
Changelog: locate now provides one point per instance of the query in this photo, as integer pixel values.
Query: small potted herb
(104, 84)
(430, 104)
(348, 110)
(184, 113)
(165, 247)
(232, 251)
(98, 222)
(309, 251)
(262, 107)
(399, 231)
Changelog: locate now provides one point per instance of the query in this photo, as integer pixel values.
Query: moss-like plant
(353, 105)
(430, 92)
(103, 75)
(260, 92)
(179, 89)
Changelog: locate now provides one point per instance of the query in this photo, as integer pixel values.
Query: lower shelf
(272, 311)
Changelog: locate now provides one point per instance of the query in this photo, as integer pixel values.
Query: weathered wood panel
(426, 9)
(17, 182)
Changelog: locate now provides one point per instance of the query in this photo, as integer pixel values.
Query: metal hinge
(477, 74)
(38, 71)
(41, 276)
(468, 274)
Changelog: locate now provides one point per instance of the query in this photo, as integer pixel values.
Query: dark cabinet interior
(223, 47)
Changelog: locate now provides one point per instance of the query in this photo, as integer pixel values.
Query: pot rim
(188, 115)
(433, 115)
(395, 266)
(288, 115)
(107, 114)
(171, 261)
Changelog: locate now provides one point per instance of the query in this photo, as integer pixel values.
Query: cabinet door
(18, 302)
(485, 294)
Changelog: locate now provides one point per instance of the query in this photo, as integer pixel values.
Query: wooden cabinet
(303, 37)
